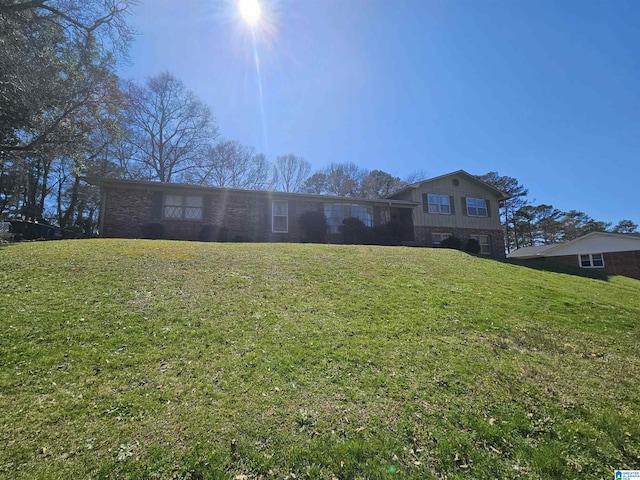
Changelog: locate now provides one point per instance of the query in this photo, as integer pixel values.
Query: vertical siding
(458, 219)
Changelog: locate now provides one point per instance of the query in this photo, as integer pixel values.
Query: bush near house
(451, 242)
(394, 232)
(213, 233)
(472, 246)
(152, 231)
(355, 232)
(313, 224)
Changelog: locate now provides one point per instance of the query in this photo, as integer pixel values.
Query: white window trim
(476, 207)
(439, 204)
(273, 216)
(590, 255)
(183, 207)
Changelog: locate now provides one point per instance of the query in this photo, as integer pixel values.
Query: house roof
(594, 242)
(530, 252)
(142, 184)
(499, 194)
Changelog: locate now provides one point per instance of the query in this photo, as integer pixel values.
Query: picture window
(182, 207)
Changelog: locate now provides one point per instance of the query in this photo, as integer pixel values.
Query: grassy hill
(154, 359)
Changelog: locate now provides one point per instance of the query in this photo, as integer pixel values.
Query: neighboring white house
(614, 253)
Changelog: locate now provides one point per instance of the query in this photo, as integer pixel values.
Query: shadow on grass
(547, 266)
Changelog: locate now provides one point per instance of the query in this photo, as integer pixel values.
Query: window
(337, 212)
(591, 260)
(485, 245)
(476, 207)
(280, 217)
(437, 238)
(182, 207)
(439, 204)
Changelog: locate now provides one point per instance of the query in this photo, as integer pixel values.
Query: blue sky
(544, 91)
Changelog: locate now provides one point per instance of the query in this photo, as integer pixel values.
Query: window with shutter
(476, 207)
(440, 204)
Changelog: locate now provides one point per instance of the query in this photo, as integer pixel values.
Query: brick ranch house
(613, 253)
(455, 204)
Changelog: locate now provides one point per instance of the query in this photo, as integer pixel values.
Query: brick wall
(496, 237)
(245, 217)
(125, 211)
(615, 263)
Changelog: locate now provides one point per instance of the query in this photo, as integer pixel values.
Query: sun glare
(250, 11)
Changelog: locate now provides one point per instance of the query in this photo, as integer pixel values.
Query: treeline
(65, 115)
(526, 224)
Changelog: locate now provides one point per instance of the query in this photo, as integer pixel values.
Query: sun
(250, 11)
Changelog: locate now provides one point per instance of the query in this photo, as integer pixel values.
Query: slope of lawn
(158, 359)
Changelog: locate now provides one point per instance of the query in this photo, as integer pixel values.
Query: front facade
(459, 205)
(456, 204)
(189, 212)
(612, 253)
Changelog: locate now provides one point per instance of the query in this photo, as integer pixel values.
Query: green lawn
(158, 359)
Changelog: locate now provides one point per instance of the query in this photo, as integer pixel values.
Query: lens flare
(250, 11)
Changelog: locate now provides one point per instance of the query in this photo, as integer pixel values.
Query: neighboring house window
(476, 207)
(337, 212)
(280, 211)
(437, 238)
(483, 240)
(182, 207)
(439, 204)
(591, 260)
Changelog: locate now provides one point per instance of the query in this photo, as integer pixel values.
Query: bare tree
(292, 172)
(379, 184)
(349, 180)
(342, 179)
(231, 164)
(416, 176)
(345, 179)
(170, 128)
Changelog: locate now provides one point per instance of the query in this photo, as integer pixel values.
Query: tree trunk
(72, 203)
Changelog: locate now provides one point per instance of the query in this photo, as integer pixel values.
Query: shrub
(472, 246)
(451, 242)
(354, 231)
(152, 231)
(392, 233)
(213, 233)
(313, 224)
